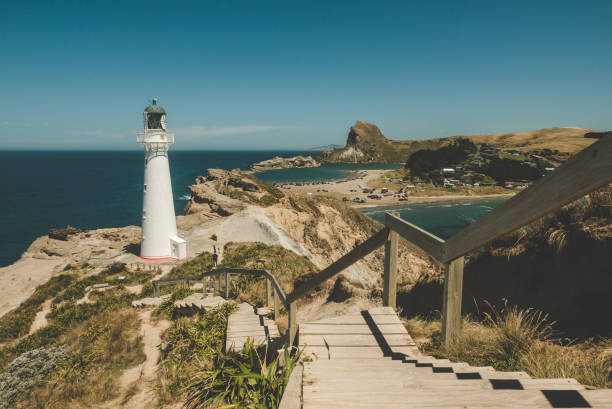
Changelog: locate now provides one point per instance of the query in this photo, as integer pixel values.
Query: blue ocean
(89, 190)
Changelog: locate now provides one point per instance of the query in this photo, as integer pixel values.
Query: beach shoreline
(352, 188)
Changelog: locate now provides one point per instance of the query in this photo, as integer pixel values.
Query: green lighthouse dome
(155, 116)
(154, 108)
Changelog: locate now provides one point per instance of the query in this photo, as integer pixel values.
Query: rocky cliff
(223, 192)
(366, 143)
(285, 163)
(323, 228)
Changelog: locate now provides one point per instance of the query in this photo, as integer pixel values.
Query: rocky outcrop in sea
(285, 163)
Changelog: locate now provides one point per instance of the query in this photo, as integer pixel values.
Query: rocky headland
(367, 144)
(285, 163)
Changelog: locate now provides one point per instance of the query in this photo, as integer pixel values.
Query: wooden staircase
(368, 360)
(246, 323)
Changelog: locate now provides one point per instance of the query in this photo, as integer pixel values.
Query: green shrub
(195, 267)
(191, 345)
(249, 378)
(283, 263)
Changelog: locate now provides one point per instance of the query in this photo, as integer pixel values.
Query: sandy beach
(352, 189)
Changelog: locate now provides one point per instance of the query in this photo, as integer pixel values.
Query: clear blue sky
(266, 74)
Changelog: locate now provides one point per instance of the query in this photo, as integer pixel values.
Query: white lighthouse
(159, 236)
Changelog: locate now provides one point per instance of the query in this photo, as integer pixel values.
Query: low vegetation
(61, 320)
(195, 267)
(167, 310)
(191, 345)
(95, 340)
(100, 348)
(251, 378)
(27, 371)
(284, 264)
(17, 322)
(249, 189)
(514, 339)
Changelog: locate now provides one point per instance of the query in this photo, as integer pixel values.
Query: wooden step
(341, 352)
(245, 324)
(369, 360)
(598, 398)
(418, 398)
(356, 329)
(380, 380)
(353, 340)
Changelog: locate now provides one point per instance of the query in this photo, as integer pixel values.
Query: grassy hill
(366, 143)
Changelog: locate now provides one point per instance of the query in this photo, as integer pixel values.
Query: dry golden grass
(516, 339)
(100, 349)
(569, 140)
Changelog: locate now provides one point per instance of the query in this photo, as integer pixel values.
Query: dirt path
(41, 317)
(138, 383)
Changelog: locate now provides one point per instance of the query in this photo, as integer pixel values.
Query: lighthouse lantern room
(159, 235)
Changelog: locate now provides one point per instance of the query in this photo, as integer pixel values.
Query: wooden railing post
(292, 324)
(451, 309)
(227, 278)
(276, 312)
(390, 277)
(268, 293)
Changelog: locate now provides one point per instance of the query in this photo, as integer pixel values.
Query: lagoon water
(88, 190)
(441, 218)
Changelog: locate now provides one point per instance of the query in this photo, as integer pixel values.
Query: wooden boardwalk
(200, 301)
(368, 360)
(245, 323)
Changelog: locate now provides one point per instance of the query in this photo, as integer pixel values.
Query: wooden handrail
(176, 281)
(365, 248)
(581, 174)
(157, 284)
(249, 271)
(431, 243)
